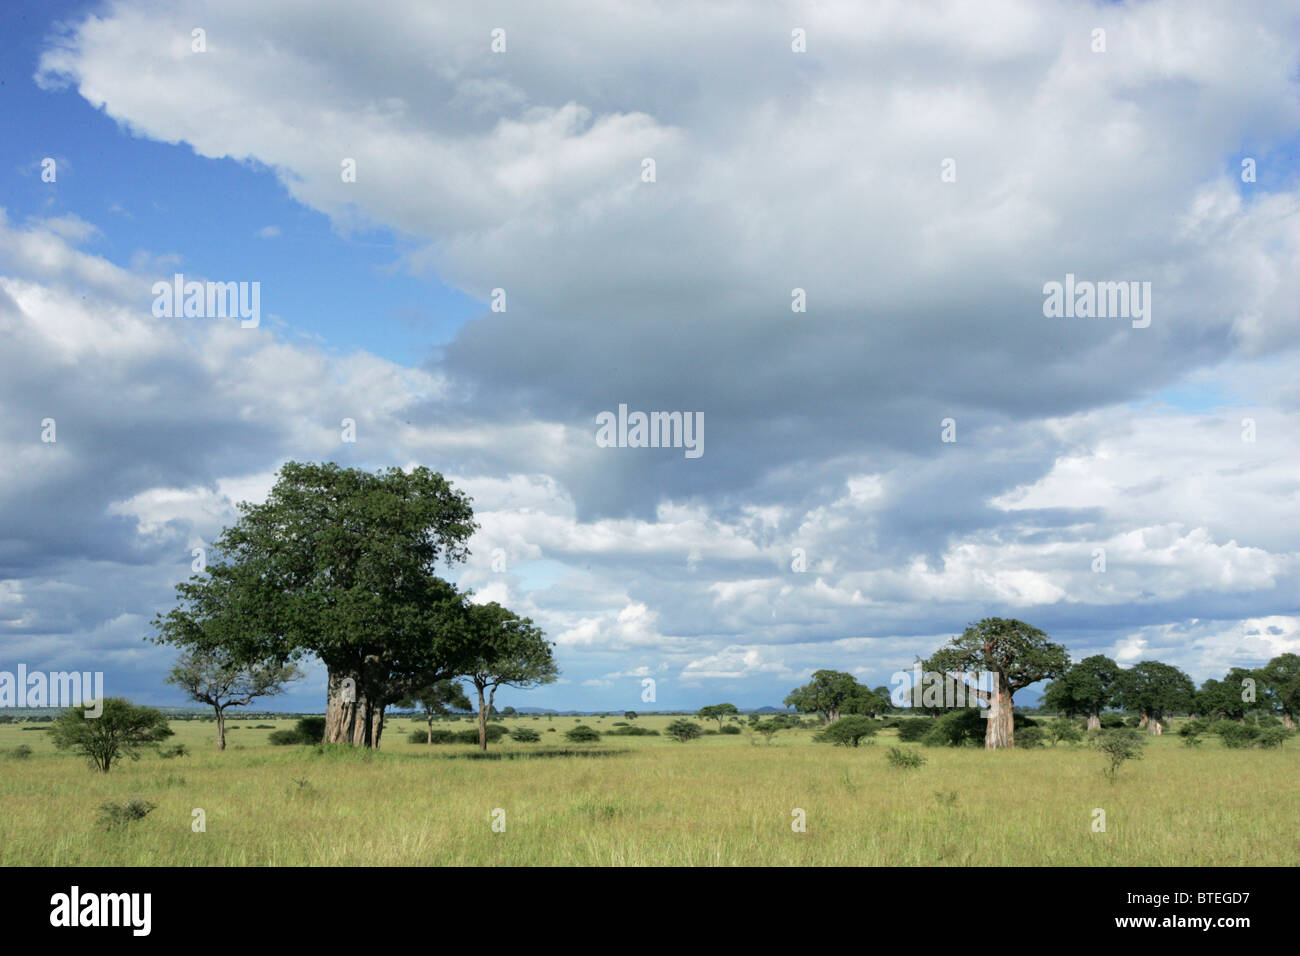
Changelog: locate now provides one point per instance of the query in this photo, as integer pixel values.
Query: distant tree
(718, 712)
(437, 700)
(1016, 654)
(1225, 699)
(847, 731)
(832, 694)
(1085, 690)
(629, 715)
(1153, 689)
(122, 729)
(582, 734)
(683, 730)
(509, 712)
(525, 735)
(510, 651)
(768, 728)
(1279, 681)
(213, 675)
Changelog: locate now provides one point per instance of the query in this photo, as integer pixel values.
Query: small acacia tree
(718, 712)
(848, 731)
(212, 675)
(510, 651)
(437, 700)
(1016, 654)
(123, 729)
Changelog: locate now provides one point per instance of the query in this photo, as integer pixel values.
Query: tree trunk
(482, 721)
(221, 728)
(358, 722)
(1154, 725)
(832, 715)
(1000, 732)
(430, 719)
(1094, 720)
(1146, 718)
(1288, 721)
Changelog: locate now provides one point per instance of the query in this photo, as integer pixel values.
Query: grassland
(648, 801)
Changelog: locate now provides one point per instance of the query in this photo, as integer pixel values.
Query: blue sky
(775, 171)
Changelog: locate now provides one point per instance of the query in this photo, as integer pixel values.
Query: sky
(824, 230)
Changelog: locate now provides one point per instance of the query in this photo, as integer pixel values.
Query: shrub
(1064, 730)
(731, 729)
(119, 814)
(272, 727)
(1235, 735)
(912, 729)
(178, 750)
(847, 731)
(284, 738)
(683, 730)
(1191, 728)
(21, 752)
(582, 734)
(311, 729)
(1117, 746)
(629, 731)
(1272, 737)
(956, 729)
(905, 759)
(1111, 721)
(525, 735)
(1191, 740)
(1029, 737)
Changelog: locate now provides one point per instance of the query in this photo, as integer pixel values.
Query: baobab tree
(1014, 654)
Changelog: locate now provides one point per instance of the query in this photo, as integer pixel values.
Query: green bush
(583, 734)
(311, 729)
(1064, 730)
(113, 815)
(21, 752)
(1234, 735)
(731, 729)
(956, 729)
(525, 735)
(285, 738)
(1119, 745)
(1030, 737)
(683, 730)
(912, 729)
(1272, 737)
(629, 731)
(1192, 728)
(847, 731)
(177, 750)
(905, 759)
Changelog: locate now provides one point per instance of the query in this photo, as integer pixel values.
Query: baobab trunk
(351, 717)
(1094, 720)
(1154, 726)
(221, 728)
(1000, 732)
(1288, 722)
(1146, 718)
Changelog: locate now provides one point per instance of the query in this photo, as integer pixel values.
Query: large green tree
(1279, 681)
(1154, 689)
(1229, 699)
(341, 564)
(835, 693)
(508, 651)
(1085, 690)
(1015, 654)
